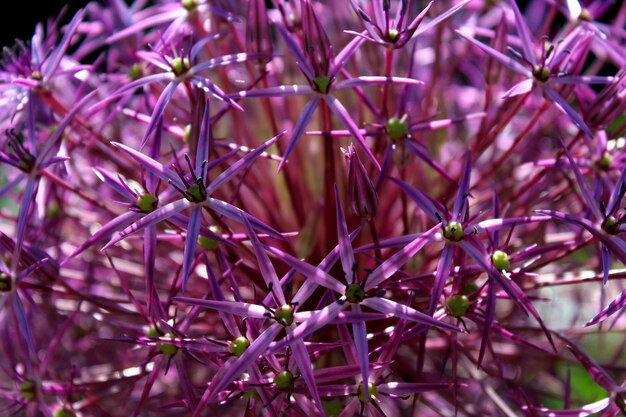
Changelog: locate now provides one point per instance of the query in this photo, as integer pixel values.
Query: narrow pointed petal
(267, 269)
(617, 194)
(345, 245)
(569, 111)
(28, 197)
(524, 34)
(303, 361)
(365, 81)
(397, 261)
(458, 214)
(606, 262)
(151, 165)
(452, 10)
(204, 141)
(158, 215)
(231, 307)
(343, 115)
(429, 206)
(585, 411)
(114, 182)
(508, 62)
(257, 348)
(280, 91)
(584, 188)
(490, 312)
(191, 240)
(120, 222)
(402, 311)
(311, 272)
(296, 51)
(241, 164)
(344, 55)
(520, 88)
(235, 213)
(443, 272)
(616, 305)
(617, 246)
(157, 112)
(359, 332)
(316, 321)
(595, 371)
(298, 129)
(50, 66)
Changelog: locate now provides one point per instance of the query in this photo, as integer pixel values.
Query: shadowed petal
(267, 269)
(191, 240)
(235, 213)
(508, 62)
(298, 129)
(443, 272)
(345, 245)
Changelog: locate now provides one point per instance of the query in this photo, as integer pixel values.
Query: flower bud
(361, 191)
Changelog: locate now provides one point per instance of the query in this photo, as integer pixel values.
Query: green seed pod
(453, 231)
(500, 261)
(5, 282)
(27, 390)
(355, 293)
(541, 73)
(239, 346)
(392, 35)
(147, 202)
(397, 128)
(283, 379)
(64, 412)
(284, 314)
(180, 65)
(470, 288)
(604, 163)
(166, 348)
(135, 72)
(373, 391)
(321, 84)
(458, 305)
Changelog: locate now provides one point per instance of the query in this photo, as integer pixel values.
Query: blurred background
(20, 22)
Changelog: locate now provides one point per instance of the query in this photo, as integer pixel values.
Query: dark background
(20, 21)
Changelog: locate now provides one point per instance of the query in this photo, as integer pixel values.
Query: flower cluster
(315, 208)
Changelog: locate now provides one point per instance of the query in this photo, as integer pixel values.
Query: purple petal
(298, 129)
(458, 214)
(452, 10)
(429, 206)
(191, 240)
(267, 269)
(359, 332)
(345, 245)
(395, 262)
(234, 213)
(49, 67)
(562, 105)
(158, 215)
(615, 305)
(508, 62)
(524, 34)
(585, 411)
(303, 361)
(151, 165)
(343, 115)
(316, 274)
(296, 51)
(402, 311)
(241, 164)
(230, 307)
(316, 321)
(584, 188)
(280, 91)
(520, 88)
(344, 55)
(365, 81)
(443, 272)
(158, 110)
